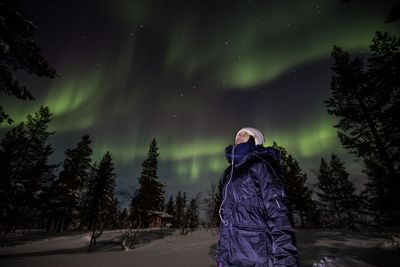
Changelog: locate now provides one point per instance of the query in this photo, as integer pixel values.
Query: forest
(80, 194)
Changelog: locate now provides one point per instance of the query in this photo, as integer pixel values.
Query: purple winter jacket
(255, 229)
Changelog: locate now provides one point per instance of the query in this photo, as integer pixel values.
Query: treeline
(77, 194)
(150, 197)
(33, 195)
(365, 98)
(185, 213)
(330, 202)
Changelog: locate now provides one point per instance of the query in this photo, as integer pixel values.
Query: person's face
(242, 137)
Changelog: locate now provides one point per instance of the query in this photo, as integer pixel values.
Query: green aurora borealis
(191, 73)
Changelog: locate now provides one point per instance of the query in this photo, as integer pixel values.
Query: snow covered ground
(317, 248)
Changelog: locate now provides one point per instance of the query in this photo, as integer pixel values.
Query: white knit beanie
(258, 136)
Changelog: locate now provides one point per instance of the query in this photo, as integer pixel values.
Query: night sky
(190, 74)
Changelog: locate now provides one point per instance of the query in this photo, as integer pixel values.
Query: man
(255, 228)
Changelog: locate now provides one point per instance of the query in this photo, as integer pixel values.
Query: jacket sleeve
(222, 250)
(278, 217)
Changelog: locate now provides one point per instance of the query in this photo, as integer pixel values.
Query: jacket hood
(237, 153)
(273, 152)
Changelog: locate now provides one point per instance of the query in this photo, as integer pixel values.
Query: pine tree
(348, 201)
(40, 151)
(13, 150)
(124, 219)
(50, 208)
(192, 215)
(18, 52)
(213, 203)
(115, 213)
(299, 194)
(24, 169)
(169, 207)
(183, 215)
(337, 193)
(102, 204)
(150, 195)
(367, 101)
(377, 196)
(180, 210)
(328, 194)
(72, 184)
(134, 213)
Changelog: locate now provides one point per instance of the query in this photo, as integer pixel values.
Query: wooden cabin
(160, 219)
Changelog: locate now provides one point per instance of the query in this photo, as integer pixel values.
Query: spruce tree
(150, 195)
(365, 98)
(134, 213)
(213, 203)
(180, 210)
(102, 204)
(115, 214)
(124, 219)
(183, 216)
(169, 207)
(39, 152)
(50, 208)
(12, 153)
(348, 200)
(25, 170)
(337, 193)
(192, 215)
(328, 195)
(18, 52)
(73, 182)
(299, 194)
(377, 197)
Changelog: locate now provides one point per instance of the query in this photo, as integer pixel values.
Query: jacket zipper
(276, 200)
